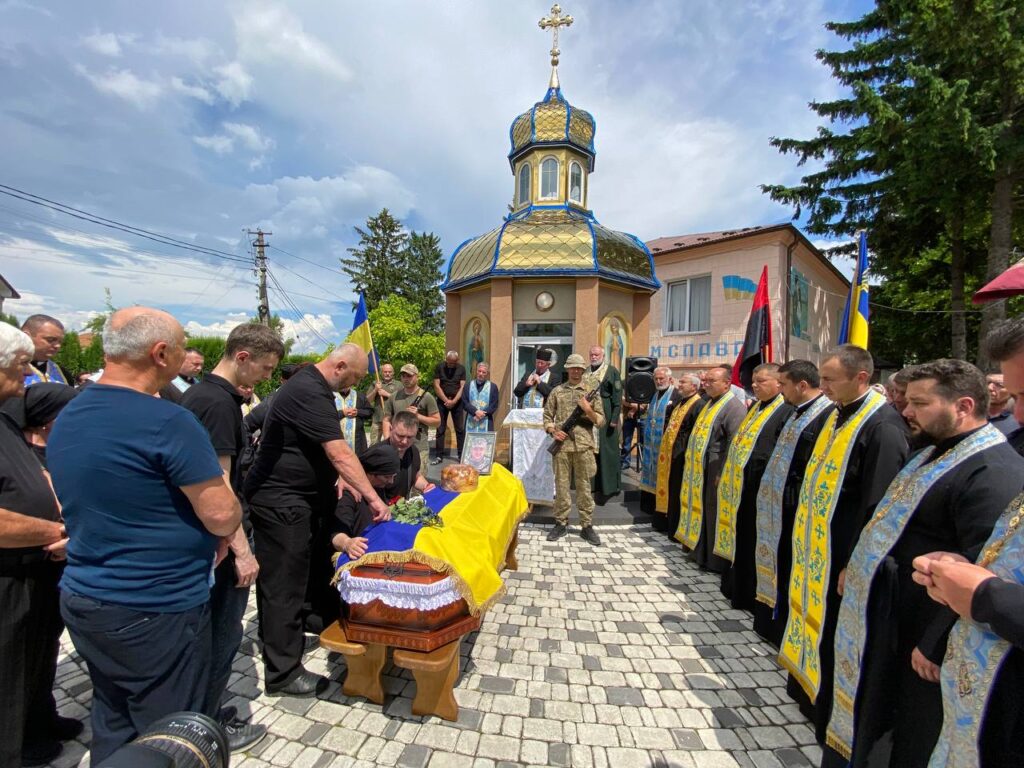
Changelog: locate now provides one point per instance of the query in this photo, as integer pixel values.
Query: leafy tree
(400, 336)
(910, 153)
(11, 319)
(422, 282)
(70, 356)
(376, 265)
(92, 356)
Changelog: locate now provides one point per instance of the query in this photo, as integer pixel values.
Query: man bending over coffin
(352, 517)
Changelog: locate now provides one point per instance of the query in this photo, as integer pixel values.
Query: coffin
(421, 587)
(405, 605)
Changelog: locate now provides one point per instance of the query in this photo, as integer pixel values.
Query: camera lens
(190, 739)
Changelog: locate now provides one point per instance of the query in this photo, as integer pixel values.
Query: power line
(308, 261)
(314, 284)
(77, 213)
(291, 304)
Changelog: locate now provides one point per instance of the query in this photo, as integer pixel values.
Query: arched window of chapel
(549, 178)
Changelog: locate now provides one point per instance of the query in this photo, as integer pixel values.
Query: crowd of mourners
(872, 532)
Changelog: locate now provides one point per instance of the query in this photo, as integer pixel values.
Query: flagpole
(369, 335)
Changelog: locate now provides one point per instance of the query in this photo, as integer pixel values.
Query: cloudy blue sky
(200, 119)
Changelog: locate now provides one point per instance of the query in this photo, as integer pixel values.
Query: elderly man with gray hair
(32, 542)
(146, 506)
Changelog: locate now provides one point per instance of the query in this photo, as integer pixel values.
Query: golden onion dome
(555, 241)
(552, 122)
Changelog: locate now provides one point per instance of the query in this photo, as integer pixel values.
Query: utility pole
(261, 270)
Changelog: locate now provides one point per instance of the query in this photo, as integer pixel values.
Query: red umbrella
(1010, 283)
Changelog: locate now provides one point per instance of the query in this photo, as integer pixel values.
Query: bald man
(291, 488)
(145, 504)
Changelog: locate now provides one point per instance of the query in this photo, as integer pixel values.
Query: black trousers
(143, 665)
(30, 627)
(459, 420)
(284, 539)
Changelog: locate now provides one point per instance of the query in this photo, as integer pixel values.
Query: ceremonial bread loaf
(459, 478)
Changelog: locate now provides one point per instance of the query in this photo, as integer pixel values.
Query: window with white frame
(524, 183)
(549, 178)
(688, 305)
(576, 183)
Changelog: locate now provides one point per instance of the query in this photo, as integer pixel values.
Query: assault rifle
(572, 421)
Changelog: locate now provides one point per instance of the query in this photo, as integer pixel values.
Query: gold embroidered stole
(675, 421)
(812, 544)
(691, 493)
(730, 486)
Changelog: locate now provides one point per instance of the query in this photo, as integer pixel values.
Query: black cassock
(670, 521)
(771, 623)
(714, 459)
(957, 514)
(878, 454)
(739, 581)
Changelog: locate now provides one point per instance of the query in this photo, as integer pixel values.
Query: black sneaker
(227, 715)
(40, 753)
(242, 736)
(67, 728)
(590, 536)
(557, 532)
(436, 461)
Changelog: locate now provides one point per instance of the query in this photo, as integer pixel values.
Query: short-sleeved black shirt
(23, 487)
(408, 469)
(218, 406)
(291, 467)
(450, 377)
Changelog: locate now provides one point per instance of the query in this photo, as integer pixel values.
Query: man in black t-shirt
(291, 488)
(449, 379)
(410, 475)
(250, 355)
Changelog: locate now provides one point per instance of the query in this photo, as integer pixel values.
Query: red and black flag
(757, 342)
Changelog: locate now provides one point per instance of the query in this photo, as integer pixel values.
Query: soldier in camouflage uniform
(577, 455)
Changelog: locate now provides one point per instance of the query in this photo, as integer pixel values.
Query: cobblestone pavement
(624, 655)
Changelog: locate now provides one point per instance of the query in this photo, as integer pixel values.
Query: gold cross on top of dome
(553, 22)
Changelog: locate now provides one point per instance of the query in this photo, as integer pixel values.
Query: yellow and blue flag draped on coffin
(470, 547)
(360, 335)
(854, 328)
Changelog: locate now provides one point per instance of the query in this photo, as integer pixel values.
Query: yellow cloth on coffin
(800, 653)
(730, 486)
(665, 452)
(471, 546)
(691, 493)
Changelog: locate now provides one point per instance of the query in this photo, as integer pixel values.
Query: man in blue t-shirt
(145, 502)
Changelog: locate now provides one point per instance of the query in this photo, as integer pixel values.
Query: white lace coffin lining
(398, 594)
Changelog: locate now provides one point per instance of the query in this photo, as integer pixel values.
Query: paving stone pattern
(619, 656)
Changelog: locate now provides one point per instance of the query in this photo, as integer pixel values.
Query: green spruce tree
(376, 264)
(422, 283)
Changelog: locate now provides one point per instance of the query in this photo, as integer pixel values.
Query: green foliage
(376, 264)
(914, 152)
(400, 336)
(264, 388)
(11, 319)
(391, 262)
(211, 348)
(73, 359)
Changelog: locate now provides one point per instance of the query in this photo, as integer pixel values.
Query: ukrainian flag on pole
(854, 329)
(360, 334)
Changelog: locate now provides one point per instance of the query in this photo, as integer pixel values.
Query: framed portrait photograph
(478, 451)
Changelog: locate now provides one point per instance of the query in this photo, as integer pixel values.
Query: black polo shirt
(449, 377)
(408, 469)
(23, 487)
(218, 406)
(291, 467)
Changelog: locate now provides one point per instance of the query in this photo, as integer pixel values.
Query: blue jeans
(227, 609)
(143, 665)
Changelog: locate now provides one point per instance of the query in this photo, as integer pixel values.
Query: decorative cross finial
(553, 22)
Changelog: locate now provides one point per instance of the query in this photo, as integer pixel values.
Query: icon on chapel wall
(475, 342)
(614, 335)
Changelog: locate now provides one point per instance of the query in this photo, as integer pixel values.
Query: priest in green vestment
(608, 480)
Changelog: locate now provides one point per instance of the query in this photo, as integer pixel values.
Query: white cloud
(193, 91)
(104, 43)
(302, 332)
(247, 137)
(196, 50)
(268, 32)
(233, 82)
(124, 84)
